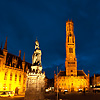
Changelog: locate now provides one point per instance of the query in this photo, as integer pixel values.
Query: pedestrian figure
(84, 91)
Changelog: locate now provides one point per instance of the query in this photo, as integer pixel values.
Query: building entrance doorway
(72, 88)
(16, 90)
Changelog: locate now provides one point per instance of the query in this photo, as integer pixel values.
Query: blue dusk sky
(24, 20)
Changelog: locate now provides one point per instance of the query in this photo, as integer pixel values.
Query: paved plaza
(68, 96)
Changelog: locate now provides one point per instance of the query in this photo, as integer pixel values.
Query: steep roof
(62, 73)
(80, 73)
(9, 61)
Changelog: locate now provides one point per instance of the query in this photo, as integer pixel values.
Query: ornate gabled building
(35, 84)
(71, 79)
(12, 71)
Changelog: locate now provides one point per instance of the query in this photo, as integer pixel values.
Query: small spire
(24, 57)
(19, 53)
(5, 46)
(71, 19)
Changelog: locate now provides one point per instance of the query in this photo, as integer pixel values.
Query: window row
(5, 77)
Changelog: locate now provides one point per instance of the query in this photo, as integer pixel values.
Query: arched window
(11, 76)
(5, 77)
(20, 78)
(71, 70)
(15, 77)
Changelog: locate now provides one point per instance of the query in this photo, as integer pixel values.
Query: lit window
(9, 87)
(4, 87)
(23, 89)
(23, 81)
(11, 76)
(20, 78)
(5, 78)
(15, 77)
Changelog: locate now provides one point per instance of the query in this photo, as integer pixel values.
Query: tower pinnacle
(5, 46)
(24, 57)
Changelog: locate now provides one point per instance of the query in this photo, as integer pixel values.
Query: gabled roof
(80, 73)
(62, 73)
(19, 62)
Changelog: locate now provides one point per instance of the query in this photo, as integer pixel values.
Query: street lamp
(57, 82)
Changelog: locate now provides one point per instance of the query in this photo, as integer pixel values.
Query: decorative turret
(24, 57)
(5, 51)
(23, 63)
(20, 53)
(5, 46)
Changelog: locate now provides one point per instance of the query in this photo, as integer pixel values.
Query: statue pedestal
(35, 86)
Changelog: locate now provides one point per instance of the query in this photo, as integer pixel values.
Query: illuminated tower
(71, 60)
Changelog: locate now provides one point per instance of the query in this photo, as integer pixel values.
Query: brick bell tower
(71, 60)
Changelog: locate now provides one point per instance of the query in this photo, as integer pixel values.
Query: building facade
(12, 71)
(71, 79)
(35, 84)
(95, 80)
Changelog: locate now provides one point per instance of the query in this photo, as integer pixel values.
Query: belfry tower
(71, 60)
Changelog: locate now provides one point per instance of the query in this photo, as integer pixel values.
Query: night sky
(24, 20)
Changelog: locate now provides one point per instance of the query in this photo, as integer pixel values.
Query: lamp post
(57, 82)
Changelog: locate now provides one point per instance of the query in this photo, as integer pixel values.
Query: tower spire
(19, 53)
(24, 57)
(5, 46)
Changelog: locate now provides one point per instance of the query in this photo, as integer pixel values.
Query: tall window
(15, 77)
(4, 87)
(23, 89)
(24, 81)
(24, 75)
(70, 50)
(9, 87)
(20, 78)
(5, 77)
(10, 76)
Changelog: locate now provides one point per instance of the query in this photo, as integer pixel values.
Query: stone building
(35, 84)
(12, 71)
(95, 80)
(71, 79)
